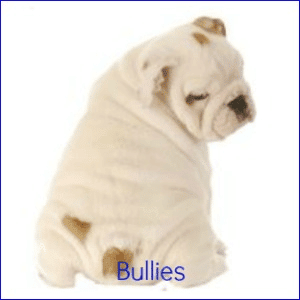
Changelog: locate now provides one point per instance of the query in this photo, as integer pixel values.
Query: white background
(52, 52)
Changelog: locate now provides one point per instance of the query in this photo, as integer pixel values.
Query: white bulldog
(133, 188)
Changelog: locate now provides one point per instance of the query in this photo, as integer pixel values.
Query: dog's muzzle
(228, 111)
(233, 109)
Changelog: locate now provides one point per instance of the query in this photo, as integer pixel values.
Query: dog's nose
(240, 107)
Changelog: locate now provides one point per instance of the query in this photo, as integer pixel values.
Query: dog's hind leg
(196, 258)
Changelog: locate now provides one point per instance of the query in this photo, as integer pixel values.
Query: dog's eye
(191, 98)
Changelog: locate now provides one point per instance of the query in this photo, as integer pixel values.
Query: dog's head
(200, 76)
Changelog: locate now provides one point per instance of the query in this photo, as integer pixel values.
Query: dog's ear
(211, 25)
(154, 66)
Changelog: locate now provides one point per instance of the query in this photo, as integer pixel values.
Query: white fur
(138, 170)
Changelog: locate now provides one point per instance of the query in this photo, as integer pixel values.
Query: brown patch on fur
(111, 258)
(77, 227)
(211, 25)
(161, 84)
(165, 72)
(201, 38)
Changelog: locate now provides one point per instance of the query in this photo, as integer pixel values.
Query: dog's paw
(61, 282)
(57, 261)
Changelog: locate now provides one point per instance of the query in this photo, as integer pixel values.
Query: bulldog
(134, 182)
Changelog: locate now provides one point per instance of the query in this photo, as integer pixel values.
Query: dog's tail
(112, 257)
